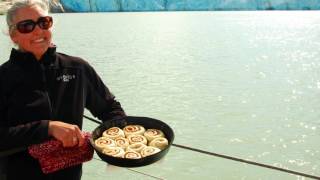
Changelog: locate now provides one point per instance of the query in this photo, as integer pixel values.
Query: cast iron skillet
(147, 123)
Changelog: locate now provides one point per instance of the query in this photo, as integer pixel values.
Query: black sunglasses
(28, 26)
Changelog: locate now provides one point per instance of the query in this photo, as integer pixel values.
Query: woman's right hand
(69, 134)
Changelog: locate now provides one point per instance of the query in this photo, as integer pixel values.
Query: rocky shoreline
(55, 6)
(4, 6)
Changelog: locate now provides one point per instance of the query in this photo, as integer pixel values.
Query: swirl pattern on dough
(114, 151)
(104, 142)
(132, 140)
(160, 143)
(113, 133)
(151, 134)
(122, 142)
(133, 129)
(137, 147)
(149, 150)
(132, 155)
(137, 138)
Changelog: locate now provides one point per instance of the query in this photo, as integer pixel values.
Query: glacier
(186, 5)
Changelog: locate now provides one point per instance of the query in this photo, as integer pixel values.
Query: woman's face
(37, 41)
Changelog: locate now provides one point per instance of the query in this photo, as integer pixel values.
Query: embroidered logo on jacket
(66, 77)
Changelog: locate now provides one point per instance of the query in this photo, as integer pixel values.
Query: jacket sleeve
(21, 135)
(99, 100)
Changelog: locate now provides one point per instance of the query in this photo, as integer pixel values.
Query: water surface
(244, 84)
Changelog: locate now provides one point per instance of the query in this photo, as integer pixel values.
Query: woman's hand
(69, 134)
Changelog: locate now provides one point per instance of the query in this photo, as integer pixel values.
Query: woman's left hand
(69, 134)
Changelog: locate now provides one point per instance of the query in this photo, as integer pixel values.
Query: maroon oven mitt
(52, 156)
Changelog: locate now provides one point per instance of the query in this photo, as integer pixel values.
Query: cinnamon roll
(136, 138)
(122, 142)
(149, 150)
(132, 155)
(113, 132)
(104, 142)
(133, 129)
(160, 143)
(114, 151)
(151, 134)
(136, 147)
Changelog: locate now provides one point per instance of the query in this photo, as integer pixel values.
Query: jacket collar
(27, 58)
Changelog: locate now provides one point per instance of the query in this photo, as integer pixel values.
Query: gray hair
(18, 4)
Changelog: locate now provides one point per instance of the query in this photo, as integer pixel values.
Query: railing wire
(232, 158)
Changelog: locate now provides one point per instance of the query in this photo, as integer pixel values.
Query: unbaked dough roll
(132, 155)
(114, 151)
(104, 142)
(122, 142)
(137, 147)
(149, 150)
(113, 133)
(151, 134)
(137, 138)
(133, 129)
(160, 143)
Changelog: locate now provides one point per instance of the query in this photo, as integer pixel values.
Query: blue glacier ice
(142, 5)
(186, 5)
(76, 5)
(200, 5)
(104, 5)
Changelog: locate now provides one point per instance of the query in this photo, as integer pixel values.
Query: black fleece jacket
(57, 87)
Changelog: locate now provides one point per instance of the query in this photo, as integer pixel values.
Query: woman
(43, 93)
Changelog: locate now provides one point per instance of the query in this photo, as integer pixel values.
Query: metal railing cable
(232, 157)
(247, 161)
(144, 174)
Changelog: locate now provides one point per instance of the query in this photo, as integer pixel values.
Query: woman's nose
(37, 30)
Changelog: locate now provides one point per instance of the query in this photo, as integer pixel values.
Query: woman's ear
(13, 35)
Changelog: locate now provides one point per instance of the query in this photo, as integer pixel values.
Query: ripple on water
(298, 162)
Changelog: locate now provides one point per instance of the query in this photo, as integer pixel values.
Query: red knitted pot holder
(52, 156)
